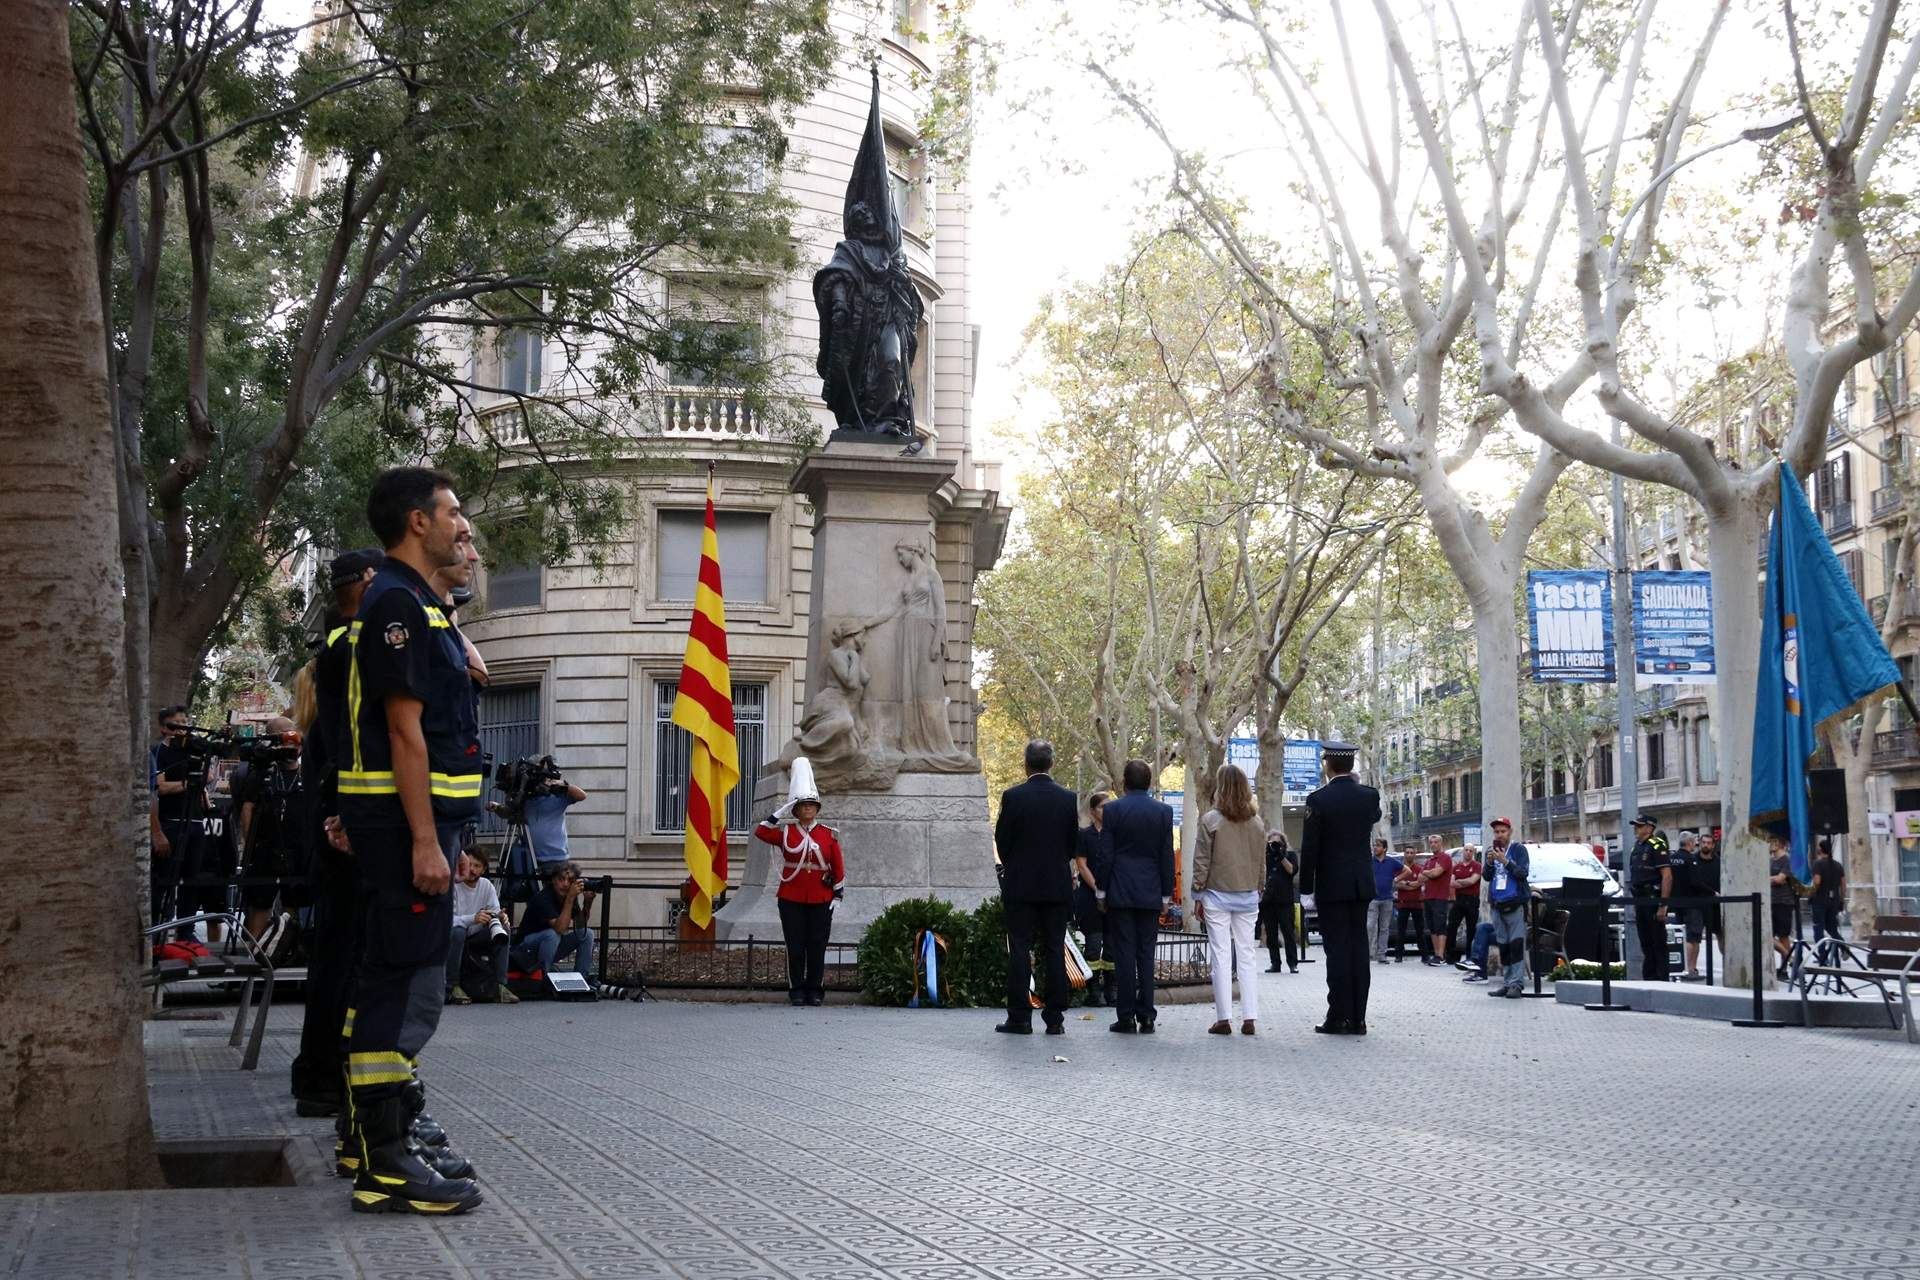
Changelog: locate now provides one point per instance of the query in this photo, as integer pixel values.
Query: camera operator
(554, 924)
(272, 806)
(478, 924)
(538, 795)
(168, 766)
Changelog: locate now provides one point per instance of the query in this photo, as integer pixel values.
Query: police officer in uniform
(319, 1070)
(1336, 866)
(1650, 874)
(409, 779)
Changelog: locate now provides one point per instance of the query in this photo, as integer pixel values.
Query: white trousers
(1230, 946)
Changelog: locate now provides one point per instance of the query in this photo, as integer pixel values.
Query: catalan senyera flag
(704, 708)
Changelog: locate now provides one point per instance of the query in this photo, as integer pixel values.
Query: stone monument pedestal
(909, 806)
(927, 836)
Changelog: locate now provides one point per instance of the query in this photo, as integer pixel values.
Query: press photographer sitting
(554, 925)
(479, 927)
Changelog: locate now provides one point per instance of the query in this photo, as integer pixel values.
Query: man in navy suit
(1335, 867)
(1134, 882)
(1037, 834)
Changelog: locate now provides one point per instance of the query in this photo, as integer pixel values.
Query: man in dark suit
(1335, 868)
(1037, 834)
(1134, 883)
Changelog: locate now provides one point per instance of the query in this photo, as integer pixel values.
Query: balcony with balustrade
(1886, 501)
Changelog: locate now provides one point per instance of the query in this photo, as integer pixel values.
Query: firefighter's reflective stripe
(435, 618)
(383, 1067)
(454, 786)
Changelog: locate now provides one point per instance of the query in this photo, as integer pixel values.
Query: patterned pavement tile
(1457, 1141)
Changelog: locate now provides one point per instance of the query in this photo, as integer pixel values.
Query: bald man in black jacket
(1335, 867)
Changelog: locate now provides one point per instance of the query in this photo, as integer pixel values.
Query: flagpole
(1627, 762)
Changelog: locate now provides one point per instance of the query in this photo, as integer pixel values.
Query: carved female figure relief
(920, 613)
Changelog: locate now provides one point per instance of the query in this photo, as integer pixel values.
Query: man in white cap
(813, 879)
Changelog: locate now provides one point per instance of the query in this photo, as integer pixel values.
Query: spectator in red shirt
(1409, 908)
(1466, 902)
(1436, 889)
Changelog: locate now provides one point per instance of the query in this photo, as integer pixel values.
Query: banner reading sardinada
(1673, 627)
(1570, 625)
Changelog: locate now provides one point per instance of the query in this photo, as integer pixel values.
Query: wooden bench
(251, 969)
(1893, 959)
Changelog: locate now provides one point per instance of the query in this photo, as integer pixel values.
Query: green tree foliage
(1178, 560)
(320, 242)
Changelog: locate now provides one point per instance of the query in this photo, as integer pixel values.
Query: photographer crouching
(554, 925)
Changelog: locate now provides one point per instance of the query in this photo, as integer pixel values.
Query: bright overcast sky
(1059, 191)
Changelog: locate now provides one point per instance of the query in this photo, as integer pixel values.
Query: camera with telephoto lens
(227, 742)
(518, 781)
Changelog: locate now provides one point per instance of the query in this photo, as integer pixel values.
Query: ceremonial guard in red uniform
(813, 878)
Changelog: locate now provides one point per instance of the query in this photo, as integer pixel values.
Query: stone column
(906, 833)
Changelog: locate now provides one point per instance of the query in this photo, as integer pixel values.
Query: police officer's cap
(1645, 820)
(1339, 749)
(349, 567)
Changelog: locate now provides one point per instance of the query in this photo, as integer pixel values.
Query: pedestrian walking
(1334, 868)
(1037, 836)
(1229, 857)
(1784, 899)
(1135, 879)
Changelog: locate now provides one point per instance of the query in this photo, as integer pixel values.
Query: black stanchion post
(600, 958)
(1606, 1004)
(1759, 1018)
(1526, 949)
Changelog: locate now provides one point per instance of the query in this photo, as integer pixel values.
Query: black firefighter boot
(426, 1134)
(393, 1178)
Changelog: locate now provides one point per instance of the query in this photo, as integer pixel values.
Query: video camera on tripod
(518, 781)
(233, 742)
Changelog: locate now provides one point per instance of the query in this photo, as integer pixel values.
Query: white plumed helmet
(800, 787)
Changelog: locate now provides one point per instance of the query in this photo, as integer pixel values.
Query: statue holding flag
(869, 309)
(704, 708)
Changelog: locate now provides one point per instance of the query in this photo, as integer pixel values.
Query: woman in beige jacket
(1229, 870)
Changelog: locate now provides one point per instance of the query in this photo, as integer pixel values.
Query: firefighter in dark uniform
(319, 1070)
(1650, 874)
(409, 780)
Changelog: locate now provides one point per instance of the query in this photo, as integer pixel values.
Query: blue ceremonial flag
(1820, 655)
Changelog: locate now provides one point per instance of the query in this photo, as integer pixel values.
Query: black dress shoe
(1331, 1028)
(1274, 968)
(1056, 1029)
(1125, 1027)
(1146, 1026)
(1014, 1028)
(1357, 1029)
